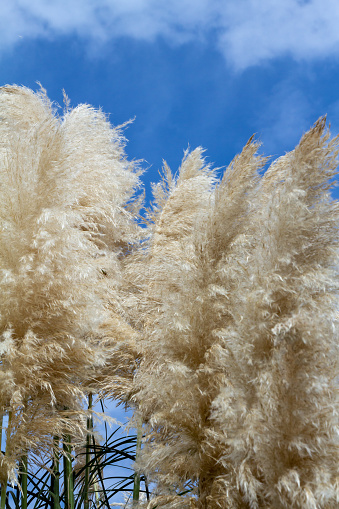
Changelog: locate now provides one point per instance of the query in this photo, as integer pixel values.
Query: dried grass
(240, 350)
(65, 221)
(218, 322)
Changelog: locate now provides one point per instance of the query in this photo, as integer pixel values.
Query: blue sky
(192, 73)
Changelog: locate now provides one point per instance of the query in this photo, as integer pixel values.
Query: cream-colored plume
(237, 383)
(65, 222)
(176, 382)
(278, 409)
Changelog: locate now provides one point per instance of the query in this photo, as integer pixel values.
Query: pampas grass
(65, 212)
(237, 383)
(216, 322)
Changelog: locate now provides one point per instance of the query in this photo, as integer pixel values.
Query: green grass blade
(136, 487)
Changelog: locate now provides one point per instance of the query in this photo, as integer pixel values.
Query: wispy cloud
(247, 32)
(255, 31)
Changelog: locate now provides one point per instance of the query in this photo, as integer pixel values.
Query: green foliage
(103, 487)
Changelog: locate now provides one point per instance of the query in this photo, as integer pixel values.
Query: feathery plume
(65, 190)
(237, 385)
(176, 382)
(279, 419)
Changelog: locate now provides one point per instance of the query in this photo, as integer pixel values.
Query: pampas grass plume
(65, 220)
(237, 386)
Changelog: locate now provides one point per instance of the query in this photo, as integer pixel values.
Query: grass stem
(88, 453)
(55, 497)
(24, 467)
(68, 473)
(4, 484)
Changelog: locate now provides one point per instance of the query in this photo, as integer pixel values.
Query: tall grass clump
(237, 385)
(67, 216)
(216, 322)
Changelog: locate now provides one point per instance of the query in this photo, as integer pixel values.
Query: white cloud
(264, 30)
(247, 32)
